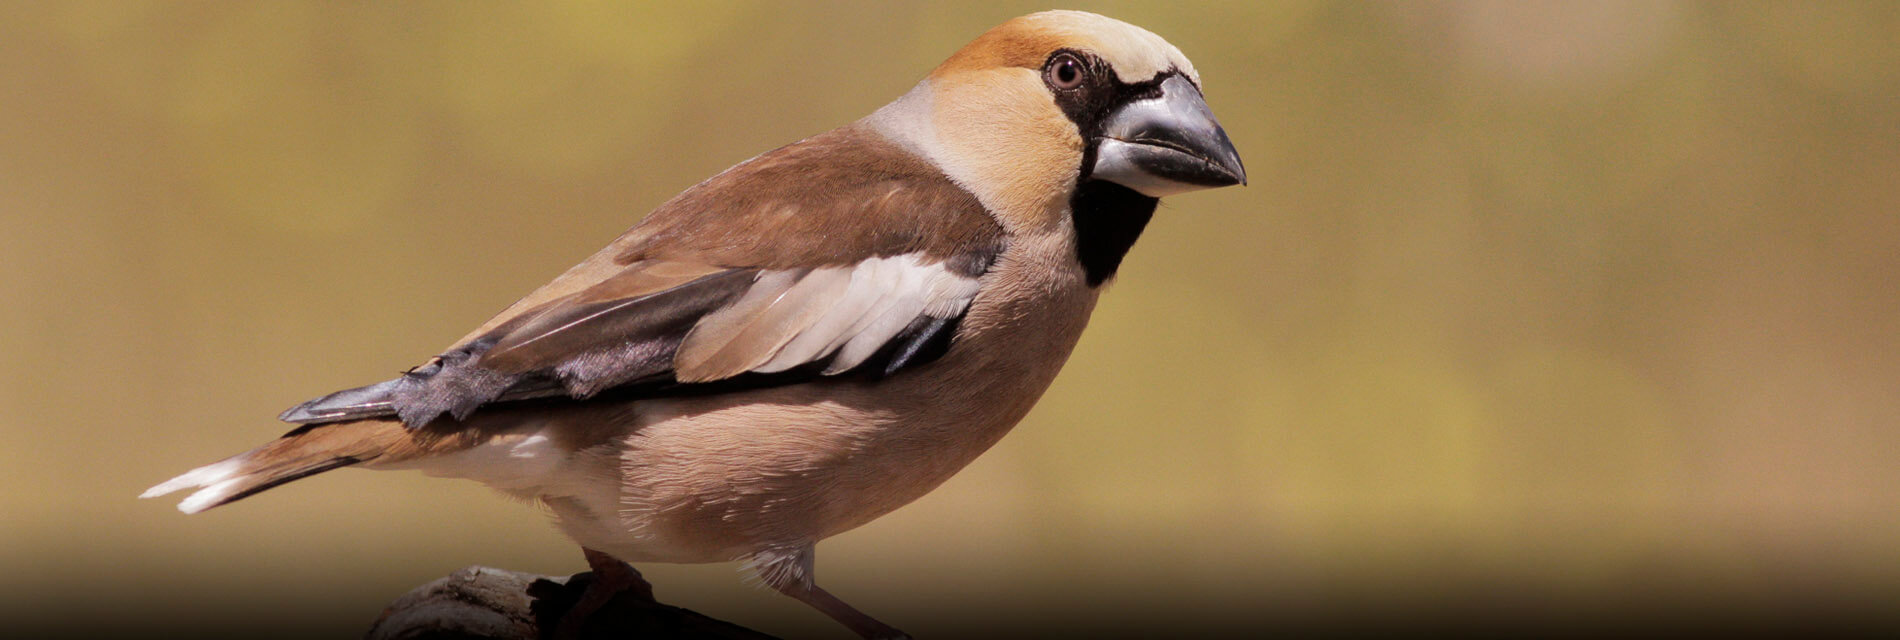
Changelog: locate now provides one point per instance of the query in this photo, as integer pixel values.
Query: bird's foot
(609, 579)
(617, 577)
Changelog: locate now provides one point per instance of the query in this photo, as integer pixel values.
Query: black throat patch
(1108, 218)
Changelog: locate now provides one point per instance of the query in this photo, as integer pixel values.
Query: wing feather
(761, 334)
(839, 254)
(869, 283)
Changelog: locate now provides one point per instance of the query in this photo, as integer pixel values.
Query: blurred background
(1555, 310)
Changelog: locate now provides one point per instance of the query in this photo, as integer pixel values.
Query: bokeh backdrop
(1532, 308)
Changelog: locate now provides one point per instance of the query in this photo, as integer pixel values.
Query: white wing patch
(790, 319)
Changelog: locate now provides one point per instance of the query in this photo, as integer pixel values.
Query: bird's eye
(1065, 72)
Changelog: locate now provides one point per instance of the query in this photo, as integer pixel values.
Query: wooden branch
(492, 604)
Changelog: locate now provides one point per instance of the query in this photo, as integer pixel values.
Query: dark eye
(1065, 72)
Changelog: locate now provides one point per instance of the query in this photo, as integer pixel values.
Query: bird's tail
(301, 453)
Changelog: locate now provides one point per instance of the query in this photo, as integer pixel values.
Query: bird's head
(1040, 106)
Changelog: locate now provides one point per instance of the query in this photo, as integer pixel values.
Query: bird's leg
(822, 600)
(615, 576)
(611, 578)
(790, 572)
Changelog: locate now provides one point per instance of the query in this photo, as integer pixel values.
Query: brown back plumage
(832, 199)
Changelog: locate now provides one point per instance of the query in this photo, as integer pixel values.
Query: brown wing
(840, 254)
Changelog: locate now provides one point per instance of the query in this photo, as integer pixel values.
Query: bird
(808, 340)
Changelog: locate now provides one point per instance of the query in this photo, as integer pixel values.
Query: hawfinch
(809, 340)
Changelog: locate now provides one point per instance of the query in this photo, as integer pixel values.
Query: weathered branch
(493, 604)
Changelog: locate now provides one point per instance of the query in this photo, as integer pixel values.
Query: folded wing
(806, 269)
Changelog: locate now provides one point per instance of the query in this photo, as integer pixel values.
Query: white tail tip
(216, 478)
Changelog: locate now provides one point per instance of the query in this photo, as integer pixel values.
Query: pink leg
(791, 574)
(822, 600)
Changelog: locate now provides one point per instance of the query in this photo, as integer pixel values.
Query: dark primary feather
(637, 336)
(563, 348)
(635, 359)
(371, 401)
(834, 200)
(925, 340)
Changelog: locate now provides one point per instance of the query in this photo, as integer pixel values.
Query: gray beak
(1167, 145)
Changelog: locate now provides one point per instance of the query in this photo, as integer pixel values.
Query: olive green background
(1531, 308)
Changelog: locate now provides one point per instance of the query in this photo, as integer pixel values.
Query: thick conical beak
(1166, 145)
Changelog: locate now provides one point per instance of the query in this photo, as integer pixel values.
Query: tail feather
(299, 454)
